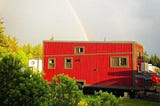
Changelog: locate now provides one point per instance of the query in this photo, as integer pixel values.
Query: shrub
(22, 88)
(103, 99)
(93, 100)
(108, 99)
(65, 91)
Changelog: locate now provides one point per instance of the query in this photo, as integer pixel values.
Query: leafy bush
(93, 100)
(103, 99)
(21, 88)
(65, 91)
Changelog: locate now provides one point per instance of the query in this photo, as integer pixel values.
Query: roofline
(133, 42)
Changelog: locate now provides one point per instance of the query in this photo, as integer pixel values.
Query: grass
(136, 102)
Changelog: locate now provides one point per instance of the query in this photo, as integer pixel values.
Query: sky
(33, 21)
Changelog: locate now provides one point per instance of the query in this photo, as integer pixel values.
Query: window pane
(77, 50)
(123, 61)
(115, 61)
(51, 63)
(68, 63)
(81, 50)
(68, 60)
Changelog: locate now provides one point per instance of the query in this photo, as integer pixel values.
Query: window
(79, 50)
(123, 61)
(68, 63)
(119, 61)
(51, 63)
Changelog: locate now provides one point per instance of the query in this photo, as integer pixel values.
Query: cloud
(123, 20)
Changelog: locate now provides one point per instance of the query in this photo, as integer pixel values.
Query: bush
(65, 91)
(22, 88)
(93, 100)
(103, 99)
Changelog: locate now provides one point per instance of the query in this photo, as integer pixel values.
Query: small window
(79, 50)
(68, 63)
(51, 63)
(119, 61)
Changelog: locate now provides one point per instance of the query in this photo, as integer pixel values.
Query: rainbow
(78, 20)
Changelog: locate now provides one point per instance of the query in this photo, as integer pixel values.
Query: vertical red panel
(93, 66)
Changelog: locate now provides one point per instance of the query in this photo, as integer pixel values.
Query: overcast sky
(33, 21)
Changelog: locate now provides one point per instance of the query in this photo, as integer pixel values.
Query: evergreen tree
(37, 51)
(155, 60)
(146, 57)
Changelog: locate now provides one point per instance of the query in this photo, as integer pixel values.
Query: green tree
(12, 44)
(3, 44)
(8, 67)
(1, 32)
(65, 91)
(28, 49)
(155, 60)
(1, 26)
(21, 55)
(37, 51)
(146, 57)
(22, 87)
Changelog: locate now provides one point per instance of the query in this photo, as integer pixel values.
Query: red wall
(93, 66)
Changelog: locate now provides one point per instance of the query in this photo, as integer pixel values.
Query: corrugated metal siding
(93, 66)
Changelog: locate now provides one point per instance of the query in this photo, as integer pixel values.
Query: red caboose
(97, 64)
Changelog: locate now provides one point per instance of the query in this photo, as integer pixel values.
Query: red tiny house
(97, 64)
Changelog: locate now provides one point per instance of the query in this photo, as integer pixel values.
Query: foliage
(3, 50)
(93, 100)
(22, 57)
(65, 91)
(103, 99)
(155, 60)
(1, 26)
(12, 44)
(37, 51)
(82, 102)
(21, 88)
(9, 45)
(137, 102)
(146, 57)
